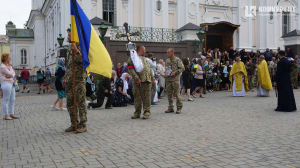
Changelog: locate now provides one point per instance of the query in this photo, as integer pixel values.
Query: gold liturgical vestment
(264, 76)
(238, 69)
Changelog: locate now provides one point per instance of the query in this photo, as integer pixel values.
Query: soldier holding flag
(86, 52)
(80, 89)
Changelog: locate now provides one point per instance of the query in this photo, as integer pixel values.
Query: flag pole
(74, 91)
(73, 76)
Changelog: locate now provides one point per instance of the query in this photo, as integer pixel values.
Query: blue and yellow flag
(95, 57)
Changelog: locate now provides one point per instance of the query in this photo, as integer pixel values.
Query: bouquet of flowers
(216, 79)
(206, 68)
(195, 67)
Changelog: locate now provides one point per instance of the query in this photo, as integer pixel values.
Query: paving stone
(218, 131)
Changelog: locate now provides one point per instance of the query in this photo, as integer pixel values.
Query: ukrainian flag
(95, 57)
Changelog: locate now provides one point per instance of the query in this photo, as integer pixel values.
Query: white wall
(259, 31)
(15, 48)
(39, 43)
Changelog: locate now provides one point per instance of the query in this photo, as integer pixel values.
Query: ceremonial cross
(128, 35)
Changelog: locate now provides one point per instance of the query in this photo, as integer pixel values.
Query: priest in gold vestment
(238, 78)
(264, 84)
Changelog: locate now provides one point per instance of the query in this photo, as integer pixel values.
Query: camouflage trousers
(294, 79)
(80, 101)
(174, 88)
(145, 88)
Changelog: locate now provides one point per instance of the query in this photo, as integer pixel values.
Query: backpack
(40, 76)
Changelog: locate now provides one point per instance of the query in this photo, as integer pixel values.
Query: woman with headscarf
(60, 71)
(120, 94)
(40, 79)
(48, 79)
(218, 76)
(90, 88)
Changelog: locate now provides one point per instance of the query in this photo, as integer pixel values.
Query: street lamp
(158, 5)
(102, 29)
(201, 36)
(60, 40)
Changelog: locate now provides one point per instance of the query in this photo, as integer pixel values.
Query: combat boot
(70, 129)
(146, 117)
(135, 117)
(81, 129)
(169, 111)
(178, 111)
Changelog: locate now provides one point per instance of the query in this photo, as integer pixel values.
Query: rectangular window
(109, 12)
(285, 22)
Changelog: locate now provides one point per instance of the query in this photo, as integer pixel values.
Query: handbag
(17, 88)
(16, 85)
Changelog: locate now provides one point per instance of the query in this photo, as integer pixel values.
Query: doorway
(219, 35)
(214, 41)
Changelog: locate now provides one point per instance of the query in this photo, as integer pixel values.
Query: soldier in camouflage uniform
(174, 67)
(80, 82)
(294, 74)
(142, 83)
(274, 70)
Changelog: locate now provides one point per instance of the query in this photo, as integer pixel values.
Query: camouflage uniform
(274, 69)
(146, 77)
(80, 81)
(274, 72)
(173, 82)
(294, 76)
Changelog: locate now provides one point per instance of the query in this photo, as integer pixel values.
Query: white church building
(238, 23)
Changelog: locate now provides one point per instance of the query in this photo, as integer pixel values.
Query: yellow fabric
(100, 62)
(74, 34)
(238, 68)
(264, 76)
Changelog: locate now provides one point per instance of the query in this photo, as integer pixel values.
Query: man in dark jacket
(231, 54)
(104, 90)
(289, 53)
(244, 56)
(286, 99)
(268, 55)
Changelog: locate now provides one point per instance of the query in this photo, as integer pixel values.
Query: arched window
(286, 22)
(23, 56)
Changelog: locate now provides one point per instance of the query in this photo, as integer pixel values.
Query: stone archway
(219, 35)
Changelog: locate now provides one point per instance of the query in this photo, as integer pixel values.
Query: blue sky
(15, 10)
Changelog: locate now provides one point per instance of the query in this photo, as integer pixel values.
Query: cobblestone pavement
(219, 131)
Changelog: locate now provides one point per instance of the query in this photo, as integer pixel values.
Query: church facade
(227, 22)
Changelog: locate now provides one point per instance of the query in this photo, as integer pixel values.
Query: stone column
(130, 12)
(165, 9)
(181, 13)
(99, 9)
(148, 13)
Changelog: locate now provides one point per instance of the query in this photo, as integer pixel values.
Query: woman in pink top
(200, 81)
(7, 80)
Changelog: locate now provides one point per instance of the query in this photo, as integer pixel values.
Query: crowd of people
(209, 72)
(143, 80)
